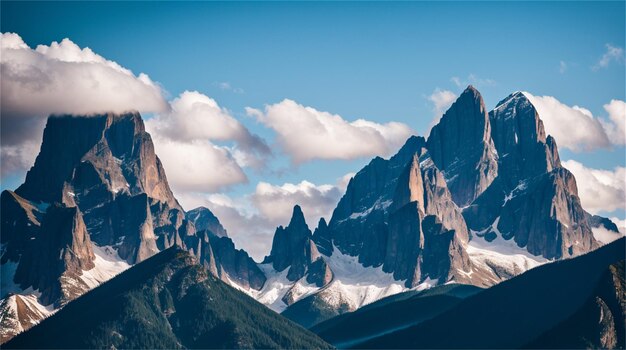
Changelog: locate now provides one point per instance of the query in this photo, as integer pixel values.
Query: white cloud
(563, 67)
(197, 165)
(276, 202)
(599, 190)
(63, 78)
(18, 157)
(184, 140)
(615, 127)
(306, 133)
(60, 79)
(441, 100)
(612, 54)
(574, 128)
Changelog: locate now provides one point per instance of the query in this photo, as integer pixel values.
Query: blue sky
(376, 61)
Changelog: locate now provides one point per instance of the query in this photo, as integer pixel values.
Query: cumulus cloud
(599, 190)
(251, 220)
(575, 127)
(64, 78)
(615, 127)
(277, 201)
(197, 165)
(185, 138)
(305, 133)
(61, 78)
(612, 54)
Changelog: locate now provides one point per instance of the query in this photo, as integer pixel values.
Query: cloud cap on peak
(61, 78)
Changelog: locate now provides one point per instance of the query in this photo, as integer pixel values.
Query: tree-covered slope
(391, 314)
(167, 301)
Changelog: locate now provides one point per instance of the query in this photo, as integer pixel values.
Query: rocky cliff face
(106, 166)
(427, 233)
(399, 213)
(358, 224)
(60, 252)
(461, 146)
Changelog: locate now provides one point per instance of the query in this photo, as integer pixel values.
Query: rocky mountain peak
(293, 247)
(297, 221)
(204, 219)
(461, 147)
(520, 138)
(113, 149)
(533, 199)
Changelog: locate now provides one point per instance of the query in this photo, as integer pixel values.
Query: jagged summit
(518, 97)
(297, 218)
(96, 201)
(462, 148)
(114, 147)
(293, 247)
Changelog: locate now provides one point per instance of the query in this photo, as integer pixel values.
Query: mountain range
(483, 199)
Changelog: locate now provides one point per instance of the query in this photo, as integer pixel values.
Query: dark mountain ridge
(167, 301)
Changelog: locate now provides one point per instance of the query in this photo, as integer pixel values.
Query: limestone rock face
(461, 146)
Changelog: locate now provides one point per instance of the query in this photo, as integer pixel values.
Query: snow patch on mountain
(358, 285)
(108, 265)
(353, 284)
(275, 287)
(502, 256)
(19, 312)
